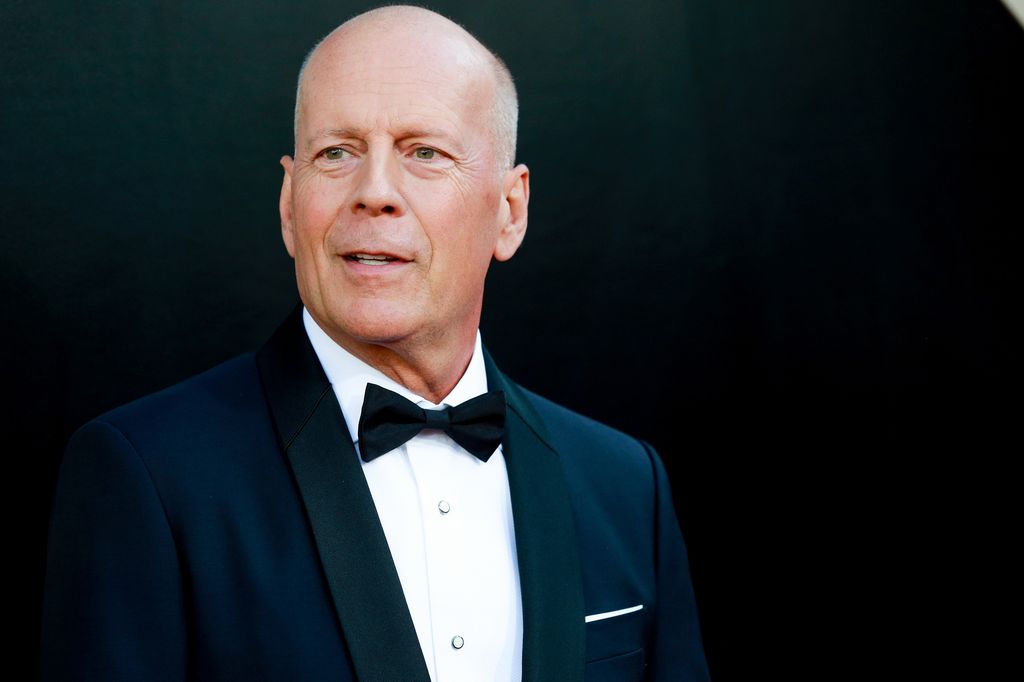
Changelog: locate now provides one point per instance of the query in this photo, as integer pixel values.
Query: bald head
(376, 29)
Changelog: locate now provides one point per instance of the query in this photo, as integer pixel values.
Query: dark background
(779, 240)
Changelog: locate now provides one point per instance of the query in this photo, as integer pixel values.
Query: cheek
(469, 244)
(485, 220)
(315, 209)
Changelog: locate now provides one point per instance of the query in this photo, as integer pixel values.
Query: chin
(349, 317)
(374, 323)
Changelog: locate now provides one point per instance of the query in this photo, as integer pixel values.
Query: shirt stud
(458, 642)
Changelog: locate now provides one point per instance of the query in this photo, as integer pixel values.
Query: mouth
(373, 258)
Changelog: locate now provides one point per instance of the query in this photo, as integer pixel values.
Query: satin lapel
(361, 575)
(549, 567)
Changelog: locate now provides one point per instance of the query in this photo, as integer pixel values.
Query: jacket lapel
(549, 567)
(357, 563)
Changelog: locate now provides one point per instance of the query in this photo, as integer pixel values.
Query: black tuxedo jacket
(222, 529)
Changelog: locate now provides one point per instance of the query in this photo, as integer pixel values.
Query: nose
(377, 191)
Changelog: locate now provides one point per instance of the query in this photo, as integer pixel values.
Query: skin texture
(395, 155)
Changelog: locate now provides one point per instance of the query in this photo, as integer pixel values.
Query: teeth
(371, 259)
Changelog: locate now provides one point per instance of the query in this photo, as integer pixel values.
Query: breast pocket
(615, 650)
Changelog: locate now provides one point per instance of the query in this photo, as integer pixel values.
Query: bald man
(367, 496)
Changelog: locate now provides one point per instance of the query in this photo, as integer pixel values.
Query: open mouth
(371, 259)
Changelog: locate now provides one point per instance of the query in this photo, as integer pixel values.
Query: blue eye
(425, 153)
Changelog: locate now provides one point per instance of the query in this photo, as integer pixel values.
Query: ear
(515, 200)
(285, 206)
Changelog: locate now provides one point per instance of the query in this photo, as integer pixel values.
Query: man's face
(394, 204)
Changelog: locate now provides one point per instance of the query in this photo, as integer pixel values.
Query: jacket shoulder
(587, 444)
(201, 404)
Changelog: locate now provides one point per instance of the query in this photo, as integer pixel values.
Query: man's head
(505, 115)
(402, 187)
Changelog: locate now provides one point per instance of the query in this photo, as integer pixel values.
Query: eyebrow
(331, 132)
(361, 133)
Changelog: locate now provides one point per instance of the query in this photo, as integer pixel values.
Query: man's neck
(429, 369)
(430, 375)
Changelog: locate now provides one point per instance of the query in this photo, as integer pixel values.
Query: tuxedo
(222, 529)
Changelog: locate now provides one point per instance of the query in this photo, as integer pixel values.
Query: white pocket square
(611, 614)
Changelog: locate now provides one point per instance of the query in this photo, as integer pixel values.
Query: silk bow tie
(388, 420)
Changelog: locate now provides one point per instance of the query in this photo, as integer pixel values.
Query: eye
(425, 153)
(333, 154)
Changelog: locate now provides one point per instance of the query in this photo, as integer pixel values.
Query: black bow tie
(388, 420)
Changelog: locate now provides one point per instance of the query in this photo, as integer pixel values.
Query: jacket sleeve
(678, 653)
(113, 607)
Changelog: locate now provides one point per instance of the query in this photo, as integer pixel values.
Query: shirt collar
(349, 375)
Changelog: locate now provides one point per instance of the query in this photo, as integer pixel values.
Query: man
(312, 511)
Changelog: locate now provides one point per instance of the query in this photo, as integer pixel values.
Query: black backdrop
(778, 240)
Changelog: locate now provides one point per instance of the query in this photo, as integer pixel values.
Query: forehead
(396, 77)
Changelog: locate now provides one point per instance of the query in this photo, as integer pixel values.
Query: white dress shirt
(447, 517)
